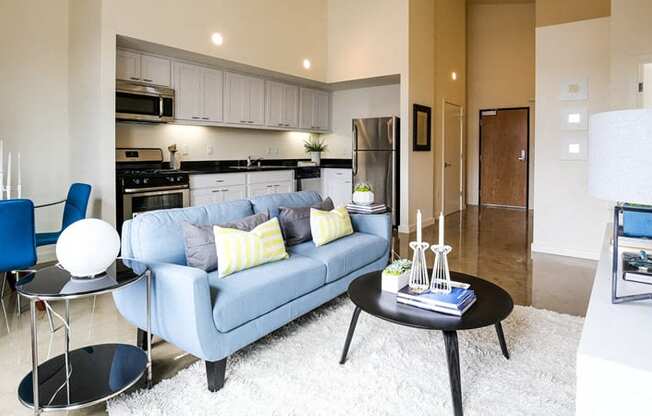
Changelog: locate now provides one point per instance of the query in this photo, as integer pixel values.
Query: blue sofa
(211, 318)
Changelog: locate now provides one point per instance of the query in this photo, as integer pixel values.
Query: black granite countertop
(235, 166)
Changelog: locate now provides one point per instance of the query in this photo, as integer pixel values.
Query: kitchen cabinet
(134, 66)
(216, 188)
(314, 110)
(337, 184)
(244, 100)
(281, 105)
(199, 93)
(273, 182)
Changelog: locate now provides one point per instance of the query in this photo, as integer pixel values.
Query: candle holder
(419, 271)
(440, 281)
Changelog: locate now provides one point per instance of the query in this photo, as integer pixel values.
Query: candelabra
(440, 281)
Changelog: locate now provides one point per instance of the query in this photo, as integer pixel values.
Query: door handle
(522, 155)
(447, 165)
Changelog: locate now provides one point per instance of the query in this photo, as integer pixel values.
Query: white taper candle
(19, 189)
(441, 229)
(9, 175)
(418, 225)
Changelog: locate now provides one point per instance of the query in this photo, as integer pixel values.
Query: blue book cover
(455, 298)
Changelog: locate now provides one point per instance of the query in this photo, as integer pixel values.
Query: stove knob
(136, 181)
(145, 181)
(179, 178)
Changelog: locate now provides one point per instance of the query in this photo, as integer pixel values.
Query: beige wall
(378, 101)
(554, 12)
(500, 74)
(630, 45)
(268, 34)
(450, 55)
(567, 220)
(34, 100)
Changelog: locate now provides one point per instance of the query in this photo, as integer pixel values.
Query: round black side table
(492, 306)
(91, 374)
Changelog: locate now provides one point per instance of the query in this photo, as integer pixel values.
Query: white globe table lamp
(620, 170)
(87, 248)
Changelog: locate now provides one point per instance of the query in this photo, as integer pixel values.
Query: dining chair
(17, 240)
(74, 210)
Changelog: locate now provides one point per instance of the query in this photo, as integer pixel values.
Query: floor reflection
(494, 243)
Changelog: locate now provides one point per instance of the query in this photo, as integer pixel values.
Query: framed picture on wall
(421, 131)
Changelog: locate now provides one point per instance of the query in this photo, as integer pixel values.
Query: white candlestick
(418, 225)
(441, 229)
(20, 179)
(9, 175)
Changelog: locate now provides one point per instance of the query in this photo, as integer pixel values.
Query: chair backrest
(76, 204)
(17, 240)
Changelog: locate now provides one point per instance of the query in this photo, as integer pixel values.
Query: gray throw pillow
(295, 222)
(200, 241)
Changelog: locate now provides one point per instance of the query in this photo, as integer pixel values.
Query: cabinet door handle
(219, 180)
(281, 124)
(147, 80)
(204, 118)
(243, 121)
(195, 118)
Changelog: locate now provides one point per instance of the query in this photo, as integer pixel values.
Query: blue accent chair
(73, 211)
(212, 317)
(17, 244)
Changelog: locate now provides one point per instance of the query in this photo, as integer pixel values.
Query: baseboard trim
(566, 252)
(407, 229)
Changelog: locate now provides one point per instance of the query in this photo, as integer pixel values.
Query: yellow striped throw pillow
(239, 250)
(327, 226)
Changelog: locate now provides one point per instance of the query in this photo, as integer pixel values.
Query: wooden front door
(503, 157)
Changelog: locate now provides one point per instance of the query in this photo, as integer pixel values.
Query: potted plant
(363, 194)
(396, 276)
(314, 145)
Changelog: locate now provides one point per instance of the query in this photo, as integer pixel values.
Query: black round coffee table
(493, 305)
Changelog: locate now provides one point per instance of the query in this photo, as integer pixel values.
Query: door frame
(527, 152)
(462, 187)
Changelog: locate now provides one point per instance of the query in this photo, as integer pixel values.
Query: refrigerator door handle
(355, 163)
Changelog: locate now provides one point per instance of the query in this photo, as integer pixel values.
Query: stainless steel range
(143, 183)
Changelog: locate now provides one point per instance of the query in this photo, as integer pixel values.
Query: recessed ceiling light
(217, 39)
(307, 64)
(454, 75)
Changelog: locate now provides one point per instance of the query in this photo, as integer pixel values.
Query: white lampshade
(620, 156)
(88, 247)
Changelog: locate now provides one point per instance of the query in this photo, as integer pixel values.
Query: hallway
(494, 243)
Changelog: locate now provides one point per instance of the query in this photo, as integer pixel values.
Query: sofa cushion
(345, 255)
(248, 294)
(200, 240)
(295, 222)
(157, 236)
(272, 202)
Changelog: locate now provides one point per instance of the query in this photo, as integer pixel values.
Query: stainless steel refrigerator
(376, 159)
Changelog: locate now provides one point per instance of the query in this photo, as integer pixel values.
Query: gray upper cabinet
(314, 110)
(199, 93)
(134, 66)
(244, 99)
(282, 105)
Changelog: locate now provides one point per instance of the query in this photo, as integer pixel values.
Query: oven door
(138, 201)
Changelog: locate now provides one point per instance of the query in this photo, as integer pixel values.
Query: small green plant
(398, 267)
(362, 187)
(314, 144)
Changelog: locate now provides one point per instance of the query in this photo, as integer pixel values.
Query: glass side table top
(54, 282)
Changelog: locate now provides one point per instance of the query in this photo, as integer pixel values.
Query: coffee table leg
(453, 359)
(349, 335)
(501, 339)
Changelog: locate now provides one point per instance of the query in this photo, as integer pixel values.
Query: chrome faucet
(251, 160)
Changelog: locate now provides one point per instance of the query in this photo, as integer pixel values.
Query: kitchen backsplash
(219, 143)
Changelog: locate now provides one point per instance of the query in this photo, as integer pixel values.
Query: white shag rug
(391, 370)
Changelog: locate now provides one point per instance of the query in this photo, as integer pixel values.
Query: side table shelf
(91, 374)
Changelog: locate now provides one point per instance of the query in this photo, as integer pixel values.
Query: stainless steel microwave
(139, 102)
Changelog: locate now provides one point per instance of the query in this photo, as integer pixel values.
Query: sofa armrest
(182, 310)
(376, 224)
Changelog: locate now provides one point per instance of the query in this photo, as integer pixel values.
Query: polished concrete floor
(492, 243)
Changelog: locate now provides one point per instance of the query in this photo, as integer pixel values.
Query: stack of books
(458, 301)
(366, 209)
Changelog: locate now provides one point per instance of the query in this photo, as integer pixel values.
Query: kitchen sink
(261, 167)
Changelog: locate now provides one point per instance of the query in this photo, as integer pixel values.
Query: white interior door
(452, 169)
